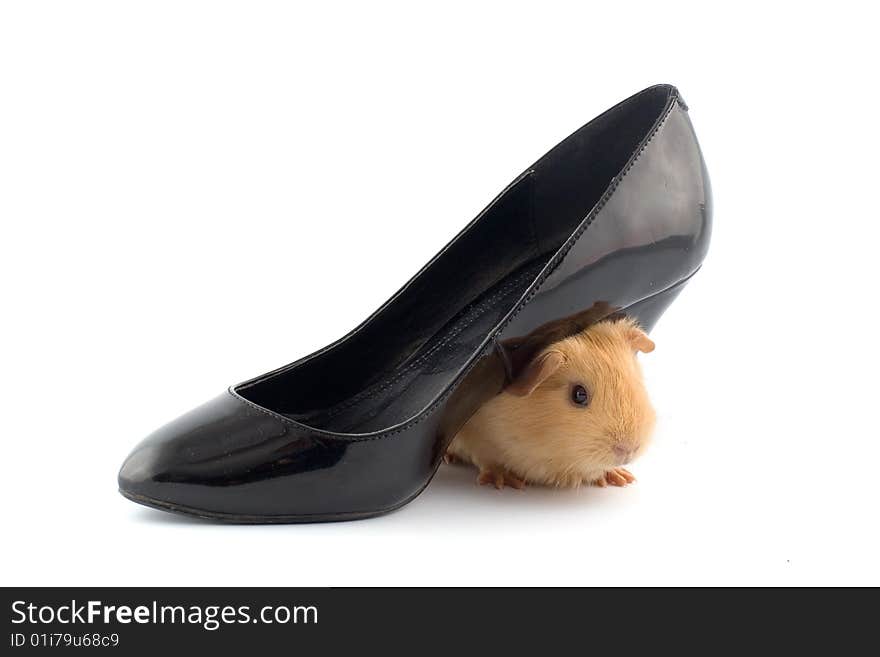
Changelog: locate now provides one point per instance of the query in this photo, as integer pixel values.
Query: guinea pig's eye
(579, 395)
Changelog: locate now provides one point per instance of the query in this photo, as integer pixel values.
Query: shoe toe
(204, 462)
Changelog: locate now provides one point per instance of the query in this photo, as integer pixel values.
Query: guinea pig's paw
(500, 478)
(614, 477)
(451, 459)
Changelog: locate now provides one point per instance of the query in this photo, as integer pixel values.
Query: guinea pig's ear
(536, 372)
(640, 340)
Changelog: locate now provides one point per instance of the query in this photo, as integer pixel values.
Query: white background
(192, 193)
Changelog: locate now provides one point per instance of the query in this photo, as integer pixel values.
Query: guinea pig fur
(539, 429)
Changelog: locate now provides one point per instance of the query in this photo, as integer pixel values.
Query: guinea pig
(574, 415)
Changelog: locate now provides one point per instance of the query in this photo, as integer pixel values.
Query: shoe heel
(648, 310)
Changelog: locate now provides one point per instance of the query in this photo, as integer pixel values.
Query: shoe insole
(410, 387)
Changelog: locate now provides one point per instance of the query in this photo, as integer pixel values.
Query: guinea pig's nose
(623, 454)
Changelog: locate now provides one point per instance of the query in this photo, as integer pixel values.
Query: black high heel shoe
(616, 218)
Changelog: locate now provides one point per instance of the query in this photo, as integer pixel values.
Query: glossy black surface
(617, 216)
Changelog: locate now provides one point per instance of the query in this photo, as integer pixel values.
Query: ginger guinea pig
(574, 415)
